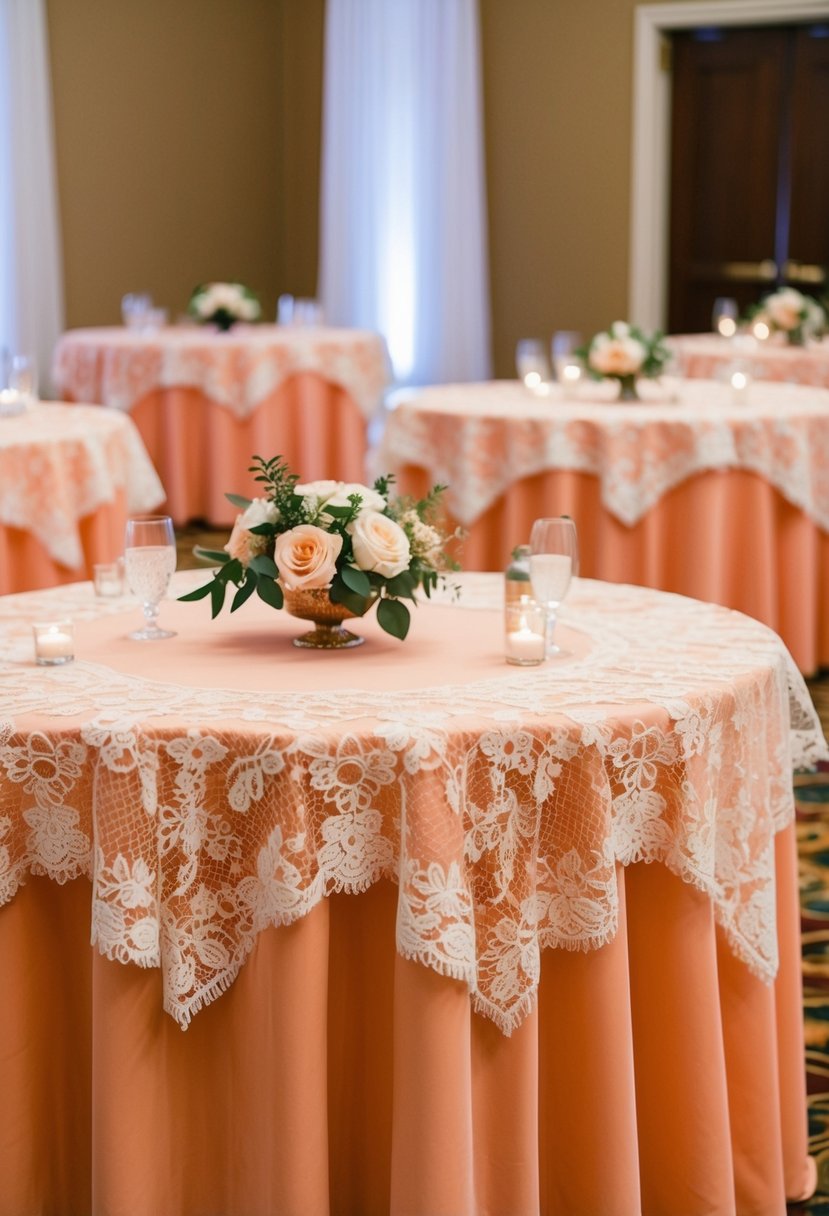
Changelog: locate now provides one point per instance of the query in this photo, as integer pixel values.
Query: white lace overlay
(501, 807)
(479, 439)
(59, 464)
(236, 370)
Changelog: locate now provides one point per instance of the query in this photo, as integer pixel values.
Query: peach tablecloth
(685, 491)
(69, 477)
(206, 402)
(228, 796)
(710, 357)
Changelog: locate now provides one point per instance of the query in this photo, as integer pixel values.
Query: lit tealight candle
(727, 327)
(760, 330)
(739, 385)
(12, 403)
(54, 643)
(570, 377)
(532, 380)
(526, 623)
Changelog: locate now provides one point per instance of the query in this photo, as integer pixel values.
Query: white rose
(379, 543)
(321, 490)
(620, 329)
(616, 356)
(244, 544)
(785, 308)
(371, 500)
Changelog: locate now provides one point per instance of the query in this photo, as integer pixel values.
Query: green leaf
(394, 617)
(262, 564)
(270, 592)
(356, 580)
(231, 572)
(199, 593)
(217, 594)
(244, 593)
(238, 500)
(210, 555)
(337, 512)
(262, 530)
(402, 584)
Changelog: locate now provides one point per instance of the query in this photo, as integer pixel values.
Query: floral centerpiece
(329, 550)
(624, 353)
(791, 313)
(223, 304)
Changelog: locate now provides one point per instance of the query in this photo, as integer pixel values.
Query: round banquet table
(686, 490)
(69, 477)
(399, 898)
(710, 357)
(206, 402)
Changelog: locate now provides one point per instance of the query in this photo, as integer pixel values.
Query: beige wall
(171, 145)
(188, 148)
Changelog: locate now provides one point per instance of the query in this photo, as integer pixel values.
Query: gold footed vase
(315, 605)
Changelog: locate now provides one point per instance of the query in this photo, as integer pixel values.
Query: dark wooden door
(749, 167)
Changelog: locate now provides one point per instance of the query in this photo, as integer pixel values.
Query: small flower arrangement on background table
(624, 353)
(791, 313)
(329, 550)
(223, 304)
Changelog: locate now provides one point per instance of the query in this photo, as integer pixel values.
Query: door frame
(650, 163)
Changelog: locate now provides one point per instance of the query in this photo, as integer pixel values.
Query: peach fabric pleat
(727, 537)
(202, 450)
(26, 566)
(335, 1078)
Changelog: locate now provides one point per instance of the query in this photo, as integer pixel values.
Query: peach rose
(306, 556)
(380, 544)
(243, 544)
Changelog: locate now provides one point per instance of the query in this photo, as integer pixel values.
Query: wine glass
(724, 316)
(531, 363)
(149, 560)
(554, 559)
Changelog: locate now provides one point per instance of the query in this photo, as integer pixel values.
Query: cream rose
(306, 557)
(380, 544)
(785, 308)
(336, 493)
(243, 544)
(616, 356)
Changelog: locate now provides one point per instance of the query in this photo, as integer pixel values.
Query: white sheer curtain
(31, 286)
(403, 217)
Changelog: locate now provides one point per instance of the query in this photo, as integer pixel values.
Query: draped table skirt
(334, 1077)
(726, 536)
(203, 450)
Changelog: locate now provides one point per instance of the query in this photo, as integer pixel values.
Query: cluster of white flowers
(321, 494)
(230, 298)
(787, 310)
(617, 352)
(426, 541)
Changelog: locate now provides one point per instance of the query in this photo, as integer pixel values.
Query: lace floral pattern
(705, 356)
(59, 465)
(480, 439)
(237, 370)
(500, 806)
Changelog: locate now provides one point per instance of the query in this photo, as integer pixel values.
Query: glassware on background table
(307, 312)
(22, 376)
(108, 578)
(149, 561)
(531, 363)
(136, 309)
(554, 560)
(285, 310)
(724, 316)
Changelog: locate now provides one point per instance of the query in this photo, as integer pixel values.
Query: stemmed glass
(724, 316)
(554, 560)
(149, 561)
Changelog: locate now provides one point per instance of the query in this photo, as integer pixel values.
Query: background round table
(687, 491)
(709, 357)
(69, 477)
(315, 860)
(207, 402)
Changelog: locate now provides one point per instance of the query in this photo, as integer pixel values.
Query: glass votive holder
(740, 382)
(54, 643)
(569, 373)
(525, 624)
(108, 578)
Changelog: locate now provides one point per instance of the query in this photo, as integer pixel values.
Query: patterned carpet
(812, 793)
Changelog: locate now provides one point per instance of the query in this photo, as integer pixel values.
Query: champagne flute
(149, 561)
(554, 559)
